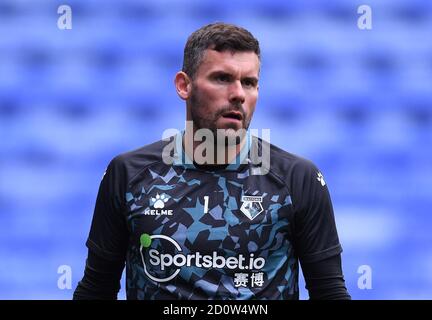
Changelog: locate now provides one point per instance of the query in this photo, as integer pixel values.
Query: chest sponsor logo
(251, 206)
(163, 257)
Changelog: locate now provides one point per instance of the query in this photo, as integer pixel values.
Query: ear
(183, 85)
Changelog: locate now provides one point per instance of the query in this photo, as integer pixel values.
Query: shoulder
(145, 154)
(131, 162)
(303, 179)
(288, 165)
(297, 173)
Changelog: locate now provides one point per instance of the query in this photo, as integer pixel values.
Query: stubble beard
(222, 137)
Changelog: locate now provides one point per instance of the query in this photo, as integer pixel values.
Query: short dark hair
(216, 36)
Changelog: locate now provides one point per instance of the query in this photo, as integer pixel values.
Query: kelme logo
(158, 203)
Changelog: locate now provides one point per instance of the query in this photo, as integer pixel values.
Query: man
(198, 219)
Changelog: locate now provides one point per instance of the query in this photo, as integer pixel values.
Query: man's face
(224, 91)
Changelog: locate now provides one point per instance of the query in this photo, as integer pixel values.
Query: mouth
(234, 115)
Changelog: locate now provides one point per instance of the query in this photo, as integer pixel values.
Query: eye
(249, 83)
(223, 78)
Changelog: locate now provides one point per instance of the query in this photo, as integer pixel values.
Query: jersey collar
(182, 159)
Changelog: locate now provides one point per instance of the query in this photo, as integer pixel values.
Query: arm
(101, 279)
(324, 279)
(316, 239)
(107, 241)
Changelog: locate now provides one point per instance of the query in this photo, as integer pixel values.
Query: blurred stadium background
(356, 102)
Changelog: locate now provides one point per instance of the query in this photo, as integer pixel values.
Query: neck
(208, 152)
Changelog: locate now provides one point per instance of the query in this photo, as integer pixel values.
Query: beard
(202, 119)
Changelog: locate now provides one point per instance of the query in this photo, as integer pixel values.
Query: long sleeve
(324, 279)
(101, 279)
(108, 239)
(316, 238)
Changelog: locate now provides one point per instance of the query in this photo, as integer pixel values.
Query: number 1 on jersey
(206, 201)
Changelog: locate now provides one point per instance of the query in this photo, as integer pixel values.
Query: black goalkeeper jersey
(195, 232)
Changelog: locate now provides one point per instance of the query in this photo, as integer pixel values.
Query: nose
(236, 93)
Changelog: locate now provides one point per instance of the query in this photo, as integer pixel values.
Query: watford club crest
(251, 206)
